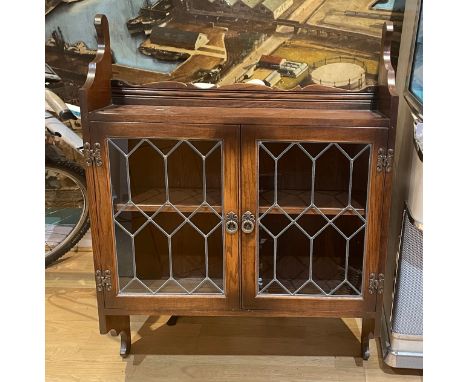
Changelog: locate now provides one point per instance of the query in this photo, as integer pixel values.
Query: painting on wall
(284, 44)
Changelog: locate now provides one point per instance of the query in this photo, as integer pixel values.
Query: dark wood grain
(251, 134)
(239, 115)
(330, 118)
(367, 332)
(153, 309)
(96, 93)
(388, 100)
(230, 138)
(119, 326)
(243, 98)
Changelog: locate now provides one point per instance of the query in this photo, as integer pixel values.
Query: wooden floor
(197, 348)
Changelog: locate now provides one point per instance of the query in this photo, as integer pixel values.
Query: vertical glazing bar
(206, 256)
(312, 191)
(275, 192)
(133, 259)
(350, 189)
(169, 246)
(347, 260)
(204, 178)
(350, 186)
(275, 247)
(127, 169)
(311, 252)
(129, 190)
(166, 178)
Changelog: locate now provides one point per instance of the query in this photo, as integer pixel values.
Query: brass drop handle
(231, 223)
(248, 222)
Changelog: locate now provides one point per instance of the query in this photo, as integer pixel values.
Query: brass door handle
(231, 223)
(248, 222)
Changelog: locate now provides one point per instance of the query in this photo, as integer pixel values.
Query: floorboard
(197, 349)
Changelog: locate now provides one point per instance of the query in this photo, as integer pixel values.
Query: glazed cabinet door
(164, 196)
(310, 218)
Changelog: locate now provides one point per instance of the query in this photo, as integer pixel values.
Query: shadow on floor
(247, 336)
(329, 340)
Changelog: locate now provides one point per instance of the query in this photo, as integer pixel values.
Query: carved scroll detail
(118, 325)
(386, 70)
(96, 91)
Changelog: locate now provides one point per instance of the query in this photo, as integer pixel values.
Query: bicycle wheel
(66, 208)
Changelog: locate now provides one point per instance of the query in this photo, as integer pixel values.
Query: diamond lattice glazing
(164, 229)
(297, 223)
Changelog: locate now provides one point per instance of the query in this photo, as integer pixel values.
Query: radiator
(404, 337)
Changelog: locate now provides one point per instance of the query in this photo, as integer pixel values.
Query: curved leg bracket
(118, 325)
(365, 352)
(366, 334)
(125, 342)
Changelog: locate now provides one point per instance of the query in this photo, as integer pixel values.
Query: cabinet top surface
(230, 115)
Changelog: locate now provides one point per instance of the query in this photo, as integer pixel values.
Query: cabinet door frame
(320, 305)
(167, 303)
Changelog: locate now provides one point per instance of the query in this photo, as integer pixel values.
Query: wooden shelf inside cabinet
(184, 199)
(295, 201)
(291, 201)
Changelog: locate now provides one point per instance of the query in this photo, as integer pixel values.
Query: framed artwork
(284, 44)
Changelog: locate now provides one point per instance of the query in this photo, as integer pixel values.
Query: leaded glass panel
(312, 217)
(168, 214)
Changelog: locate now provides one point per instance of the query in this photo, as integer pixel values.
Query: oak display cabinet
(239, 200)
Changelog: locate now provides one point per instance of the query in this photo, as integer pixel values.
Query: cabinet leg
(366, 334)
(125, 343)
(172, 321)
(118, 325)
